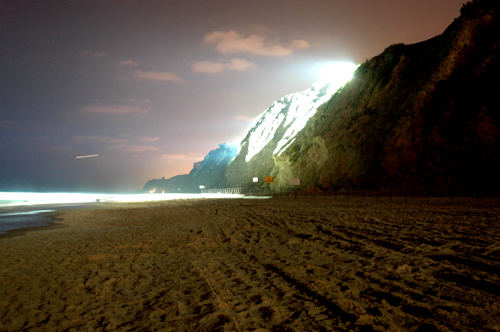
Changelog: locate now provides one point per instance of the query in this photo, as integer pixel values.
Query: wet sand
(282, 265)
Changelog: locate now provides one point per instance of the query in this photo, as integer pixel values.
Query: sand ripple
(242, 265)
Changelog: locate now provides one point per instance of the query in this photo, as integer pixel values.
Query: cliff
(209, 172)
(421, 115)
(278, 126)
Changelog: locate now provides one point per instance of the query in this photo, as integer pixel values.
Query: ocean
(24, 219)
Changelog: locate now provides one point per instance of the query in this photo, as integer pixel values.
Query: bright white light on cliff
(337, 72)
(292, 111)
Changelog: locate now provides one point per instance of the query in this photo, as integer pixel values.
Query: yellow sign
(269, 179)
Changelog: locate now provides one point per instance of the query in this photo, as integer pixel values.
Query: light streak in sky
(87, 156)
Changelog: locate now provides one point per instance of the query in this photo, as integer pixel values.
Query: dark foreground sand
(241, 265)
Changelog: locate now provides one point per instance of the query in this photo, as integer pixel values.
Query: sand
(237, 265)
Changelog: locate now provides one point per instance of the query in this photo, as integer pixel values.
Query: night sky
(152, 86)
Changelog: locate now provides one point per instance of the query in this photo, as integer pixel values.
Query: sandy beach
(238, 265)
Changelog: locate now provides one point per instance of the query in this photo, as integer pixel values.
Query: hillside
(423, 115)
(209, 172)
(278, 126)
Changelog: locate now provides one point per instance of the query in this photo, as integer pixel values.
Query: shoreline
(25, 230)
(35, 217)
(255, 264)
(18, 224)
(58, 209)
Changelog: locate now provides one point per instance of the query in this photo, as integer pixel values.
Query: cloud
(136, 101)
(157, 76)
(134, 148)
(120, 144)
(300, 44)
(244, 118)
(122, 107)
(191, 156)
(214, 67)
(149, 139)
(101, 139)
(209, 67)
(170, 156)
(128, 63)
(114, 109)
(231, 42)
(94, 54)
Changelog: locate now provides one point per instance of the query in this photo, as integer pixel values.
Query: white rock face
(292, 112)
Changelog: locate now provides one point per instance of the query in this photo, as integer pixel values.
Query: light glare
(299, 106)
(27, 198)
(337, 72)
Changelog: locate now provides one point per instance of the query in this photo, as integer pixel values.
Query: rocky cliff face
(209, 172)
(278, 126)
(421, 115)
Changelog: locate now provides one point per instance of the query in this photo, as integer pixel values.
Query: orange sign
(269, 179)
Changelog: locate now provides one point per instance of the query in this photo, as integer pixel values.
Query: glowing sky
(152, 86)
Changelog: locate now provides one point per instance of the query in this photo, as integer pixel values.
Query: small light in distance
(87, 156)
